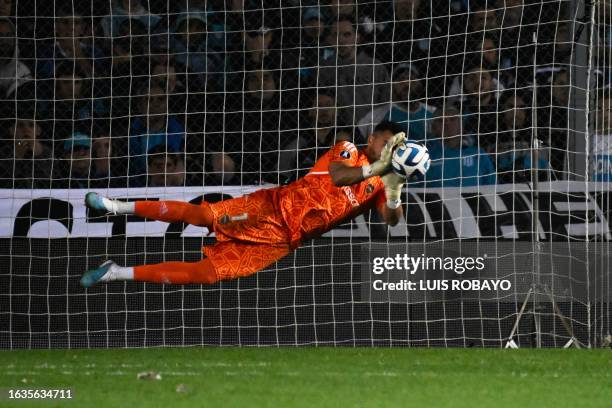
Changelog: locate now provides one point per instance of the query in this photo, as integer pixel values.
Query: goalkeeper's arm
(343, 174)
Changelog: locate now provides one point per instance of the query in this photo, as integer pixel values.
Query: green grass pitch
(313, 377)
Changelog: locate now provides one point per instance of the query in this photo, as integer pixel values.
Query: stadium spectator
(6, 8)
(482, 19)
(406, 108)
(555, 41)
(476, 86)
(250, 48)
(338, 8)
(223, 170)
(513, 153)
(515, 131)
(70, 105)
(484, 52)
(152, 127)
(261, 90)
(130, 66)
(445, 35)
(553, 119)
(255, 128)
(453, 163)
(554, 53)
(13, 72)
(601, 139)
(165, 76)
(176, 82)
(518, 22)
(467, 31)
(72, 45)
(234, 15)
(124, 10)
(27, 160)
(313, 28)
(165, 168)
(499, 64)
(401, 34)
(101, 154)
(318, 134)
(488, 53)
(102, 172)
(214, 12)
(259, 44)
(132, 42)
(73, 170)
(478, 102)
(109, 153)
(254, 48)
(189, 47)
(361, 82)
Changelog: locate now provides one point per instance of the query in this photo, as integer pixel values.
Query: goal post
(505, 241)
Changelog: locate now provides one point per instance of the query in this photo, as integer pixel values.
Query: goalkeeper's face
(376, 142)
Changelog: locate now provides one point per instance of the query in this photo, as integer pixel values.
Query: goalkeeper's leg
(167, 211)
(167, 272)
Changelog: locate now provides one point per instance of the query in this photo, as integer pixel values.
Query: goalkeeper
(255, 230)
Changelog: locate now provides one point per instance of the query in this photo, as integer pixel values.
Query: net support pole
(538, 292)
(577, 121)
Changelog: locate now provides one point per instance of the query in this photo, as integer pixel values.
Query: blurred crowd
(207, 92)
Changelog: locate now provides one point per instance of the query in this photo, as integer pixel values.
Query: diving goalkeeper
(257, 229)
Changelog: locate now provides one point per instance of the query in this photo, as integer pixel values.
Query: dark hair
(508, 94)
(386, 125)
(339, 19)
(330, 92)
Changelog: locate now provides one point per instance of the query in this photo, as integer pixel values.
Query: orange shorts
(251, 234)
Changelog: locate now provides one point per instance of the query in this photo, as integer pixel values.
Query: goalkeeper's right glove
(394, 183)
(381, 166)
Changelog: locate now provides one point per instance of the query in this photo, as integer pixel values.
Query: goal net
(504, 243)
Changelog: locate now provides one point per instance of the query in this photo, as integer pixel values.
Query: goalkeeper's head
(379, 138)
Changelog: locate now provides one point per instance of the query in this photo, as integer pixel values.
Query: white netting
(210, 99)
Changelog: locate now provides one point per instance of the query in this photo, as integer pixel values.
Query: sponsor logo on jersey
(351, 196)
(345, 154)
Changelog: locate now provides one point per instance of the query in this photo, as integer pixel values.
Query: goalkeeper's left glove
(394, 183)
(379, 167)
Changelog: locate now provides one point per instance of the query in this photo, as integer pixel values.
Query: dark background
(303, 301)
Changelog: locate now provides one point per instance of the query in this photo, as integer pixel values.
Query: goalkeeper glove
(381, 166)
(393, 189)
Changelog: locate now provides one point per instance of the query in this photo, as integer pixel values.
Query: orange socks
(175, 211)
(177, 272)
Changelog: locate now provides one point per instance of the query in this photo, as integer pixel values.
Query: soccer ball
(410, 157)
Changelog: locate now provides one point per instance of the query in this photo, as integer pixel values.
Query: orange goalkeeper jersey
(313, 205)
(257, 229)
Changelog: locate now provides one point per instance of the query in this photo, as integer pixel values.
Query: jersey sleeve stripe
(349, 146)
